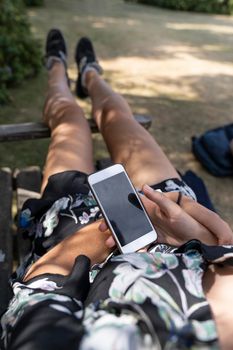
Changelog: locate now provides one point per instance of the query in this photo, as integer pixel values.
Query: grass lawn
(175, 66)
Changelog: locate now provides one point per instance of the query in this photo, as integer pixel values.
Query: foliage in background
(208, 6)
(20, 53)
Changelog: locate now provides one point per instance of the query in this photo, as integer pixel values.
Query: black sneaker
(85, 56)
(55, 47)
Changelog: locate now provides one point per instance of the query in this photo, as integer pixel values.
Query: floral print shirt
(150, 300)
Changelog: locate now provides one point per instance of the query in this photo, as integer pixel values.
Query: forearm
(177, 224)
(88, 241)
(213, 230)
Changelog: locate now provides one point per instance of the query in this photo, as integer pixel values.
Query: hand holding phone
(122, 208)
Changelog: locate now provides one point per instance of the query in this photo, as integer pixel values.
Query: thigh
(217, 285)
(127, 141)
(131, 145)
(70, 146)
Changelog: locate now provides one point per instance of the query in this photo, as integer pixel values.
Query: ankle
(51, 61)
(57, 69)
(90, 76)
(57, 75)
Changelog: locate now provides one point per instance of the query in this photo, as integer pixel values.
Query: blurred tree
(20, 53)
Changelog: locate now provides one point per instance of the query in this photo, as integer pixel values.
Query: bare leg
(71, 145)
(70, 149)
(127, 141)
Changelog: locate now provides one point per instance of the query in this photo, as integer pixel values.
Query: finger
(103, 226)
(148, 204)
(165, 204)
(211, 221)
(110, 243)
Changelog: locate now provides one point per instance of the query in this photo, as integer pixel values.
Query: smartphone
(122, 208)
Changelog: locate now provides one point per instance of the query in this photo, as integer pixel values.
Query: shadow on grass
(175, 121)
(175, 118)
(121, 29)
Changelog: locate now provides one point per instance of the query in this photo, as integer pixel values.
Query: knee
(57, 105)
(56, 108)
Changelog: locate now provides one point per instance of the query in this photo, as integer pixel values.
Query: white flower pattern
(84, 219)
(51, 217)
(136, 281)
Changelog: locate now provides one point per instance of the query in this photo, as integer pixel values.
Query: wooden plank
(6, 241)
(28, 183)
(23, 131)
(28, 131)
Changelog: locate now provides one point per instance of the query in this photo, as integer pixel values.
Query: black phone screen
(122, 207)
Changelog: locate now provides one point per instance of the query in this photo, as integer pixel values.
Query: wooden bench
(6, 237)
(28, 131)
(16, 187)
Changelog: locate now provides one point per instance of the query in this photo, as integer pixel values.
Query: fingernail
(148, 188)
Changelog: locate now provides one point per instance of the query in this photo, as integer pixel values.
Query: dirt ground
(176, 67)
